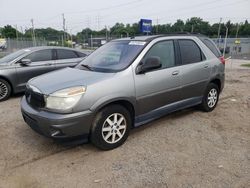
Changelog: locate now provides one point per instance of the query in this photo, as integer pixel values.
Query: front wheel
(5, 90)
(211, 97)
(111, 127)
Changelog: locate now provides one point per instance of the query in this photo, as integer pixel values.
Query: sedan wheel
(4, 90)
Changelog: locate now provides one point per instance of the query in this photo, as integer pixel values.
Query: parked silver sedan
(19, 67)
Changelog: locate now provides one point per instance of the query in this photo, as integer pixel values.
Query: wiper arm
(87, 66)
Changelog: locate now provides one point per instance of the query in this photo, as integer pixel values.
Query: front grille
(35, 99)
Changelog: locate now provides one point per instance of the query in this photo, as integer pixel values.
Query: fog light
(55, 132)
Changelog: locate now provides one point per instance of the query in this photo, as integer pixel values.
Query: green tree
(10, 32)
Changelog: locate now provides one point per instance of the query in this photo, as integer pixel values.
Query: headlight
(64, 99)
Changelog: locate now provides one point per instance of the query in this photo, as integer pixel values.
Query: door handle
(175, 73)
(49, 63)
(206, 66)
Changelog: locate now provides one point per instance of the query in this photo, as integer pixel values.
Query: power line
(106, 8)
(206, 9)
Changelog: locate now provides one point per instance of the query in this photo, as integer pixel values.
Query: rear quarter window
(210, 44)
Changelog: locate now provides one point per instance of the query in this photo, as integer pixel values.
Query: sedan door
(41, 62)
(159, 87)
(67, 58)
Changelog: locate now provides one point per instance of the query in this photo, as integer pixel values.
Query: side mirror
(149, 64)
(25, 61)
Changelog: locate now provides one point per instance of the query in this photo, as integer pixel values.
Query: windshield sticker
(27, 50)
(138, 43)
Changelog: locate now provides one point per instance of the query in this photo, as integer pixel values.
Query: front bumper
(54, 125)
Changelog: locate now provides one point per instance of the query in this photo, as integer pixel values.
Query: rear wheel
(5, 90)
(111, 127)
(211, 97)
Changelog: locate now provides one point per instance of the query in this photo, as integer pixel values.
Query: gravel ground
(186, 149)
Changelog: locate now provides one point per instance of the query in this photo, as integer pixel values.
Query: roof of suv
(148, 38)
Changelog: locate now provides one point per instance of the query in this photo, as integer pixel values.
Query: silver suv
(124, 84)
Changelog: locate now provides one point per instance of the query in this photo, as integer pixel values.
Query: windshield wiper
(87, 66)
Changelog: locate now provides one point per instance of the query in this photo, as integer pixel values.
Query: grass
(246, 65)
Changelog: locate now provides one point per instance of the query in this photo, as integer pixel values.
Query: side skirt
(164, 110)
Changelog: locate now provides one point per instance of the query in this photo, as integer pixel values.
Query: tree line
(194, 24)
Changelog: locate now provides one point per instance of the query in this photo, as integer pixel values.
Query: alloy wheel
(3, 90)
(212, 98)
(114, 128)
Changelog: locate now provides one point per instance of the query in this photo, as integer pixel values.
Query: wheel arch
(216, 81)
(126, 103)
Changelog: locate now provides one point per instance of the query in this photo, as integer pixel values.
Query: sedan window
(42, 55)
(66, 54)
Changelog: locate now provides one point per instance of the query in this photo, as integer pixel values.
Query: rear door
(195, 69)
(41, 62)
(67, 58)
(159, 87)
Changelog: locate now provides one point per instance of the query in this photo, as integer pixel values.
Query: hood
(5, 66)
(65, 78)
(2, 64)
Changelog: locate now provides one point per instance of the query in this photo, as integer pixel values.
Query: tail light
(222, 60)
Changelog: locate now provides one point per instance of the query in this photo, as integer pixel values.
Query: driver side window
(42, 55)
(165, 51)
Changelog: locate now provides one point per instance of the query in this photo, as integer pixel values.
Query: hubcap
(3, 90)
(212, 98)
(114, 128)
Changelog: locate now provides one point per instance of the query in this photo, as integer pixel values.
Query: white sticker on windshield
(27, 50)
(138, 43)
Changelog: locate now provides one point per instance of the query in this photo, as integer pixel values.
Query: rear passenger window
(165, 51)
(190, 52)
(66, 54)
(212, 47)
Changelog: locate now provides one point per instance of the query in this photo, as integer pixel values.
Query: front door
(159, 87)
(41, 62)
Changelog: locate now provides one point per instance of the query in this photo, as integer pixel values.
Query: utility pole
(192, 28)
(63, 38)
(71, 38)
(236, 37)
(33, 32)
(91, 41)
(225, 43)
(238, 27)
(218, 36)
(16, 32)
(21, 29)
(106, 31)
(98, 22)
(17, 37)
(157, 25)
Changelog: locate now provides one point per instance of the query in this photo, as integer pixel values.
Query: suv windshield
(113, 56)
(12, 56)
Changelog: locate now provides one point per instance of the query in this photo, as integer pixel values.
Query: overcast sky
(96, 13)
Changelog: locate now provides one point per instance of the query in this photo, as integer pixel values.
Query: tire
(5, 90)
(104, 133)
(210, 98)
